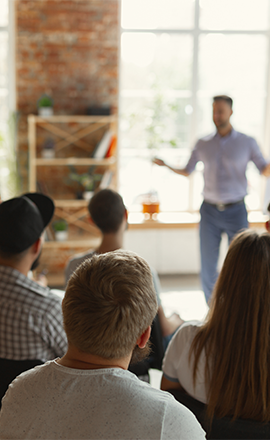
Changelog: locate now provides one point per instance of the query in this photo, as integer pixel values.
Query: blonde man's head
(109, 303)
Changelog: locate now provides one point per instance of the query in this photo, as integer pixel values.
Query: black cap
(22, 221)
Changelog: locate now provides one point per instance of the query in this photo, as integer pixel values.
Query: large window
(175, 56)
(4, 62)
(8, 163)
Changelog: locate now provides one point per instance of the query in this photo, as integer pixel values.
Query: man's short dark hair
(225, 98)
(107, 210)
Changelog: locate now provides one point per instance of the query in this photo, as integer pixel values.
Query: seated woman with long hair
(225, 361)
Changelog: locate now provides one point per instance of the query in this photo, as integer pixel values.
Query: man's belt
(223, 206)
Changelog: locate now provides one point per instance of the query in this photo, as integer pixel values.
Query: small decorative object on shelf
(87, 181)
(87, 195)
(98, 111)
(150, 206)
(45, 106)
(60, 230)
(48, 150)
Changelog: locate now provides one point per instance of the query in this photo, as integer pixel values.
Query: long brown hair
(236, 334)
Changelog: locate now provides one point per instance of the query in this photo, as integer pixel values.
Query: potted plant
(60, 230)
(87, 182)
(45, 105)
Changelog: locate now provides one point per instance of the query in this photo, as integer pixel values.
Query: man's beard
(222, 124)
(139, 354)
(35, 263)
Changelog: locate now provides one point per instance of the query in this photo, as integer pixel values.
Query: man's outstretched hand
(159, 162)
(266, 170)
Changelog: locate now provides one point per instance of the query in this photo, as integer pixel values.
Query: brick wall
(69, 50)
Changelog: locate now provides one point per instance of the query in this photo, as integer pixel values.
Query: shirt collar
(232, 134)
(23, 281)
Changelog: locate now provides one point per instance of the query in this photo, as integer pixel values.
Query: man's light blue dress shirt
(225, 162)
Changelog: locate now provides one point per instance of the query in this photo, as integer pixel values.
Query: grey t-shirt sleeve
(180, 423)
(71, 266)
(73, 263)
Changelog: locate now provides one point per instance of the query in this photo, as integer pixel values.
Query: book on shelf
(42, 187)
(106, 179)
(112, 147)
(49, 234)
(103, 146)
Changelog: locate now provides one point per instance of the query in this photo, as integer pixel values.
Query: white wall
(170, 251)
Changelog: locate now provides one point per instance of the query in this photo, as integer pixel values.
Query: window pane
(3, 59)
(152, 14)
(139, 176)
(234, 14)
(3, 12)
(3, 77)
(148, 128)
(232, 62)
(155, 114)
(149, 60)
(154, 123)
(235, 65)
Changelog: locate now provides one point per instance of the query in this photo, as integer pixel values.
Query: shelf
(93, 242)
(71, 203)
(77, 118)
(73, 161)
(183, 220)
(75, 140)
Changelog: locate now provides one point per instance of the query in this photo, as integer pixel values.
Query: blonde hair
(236, 334)
(109, 302)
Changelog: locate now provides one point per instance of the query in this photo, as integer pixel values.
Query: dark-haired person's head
(224, 98)
(109, 303)
(222, 111)
(107, 210)
(22, 222)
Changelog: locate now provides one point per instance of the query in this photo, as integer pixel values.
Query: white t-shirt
(176, 366)
(55, 402)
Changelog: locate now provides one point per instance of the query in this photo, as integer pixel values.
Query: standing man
(225, 154)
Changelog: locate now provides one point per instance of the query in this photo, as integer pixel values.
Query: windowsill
(183, 220)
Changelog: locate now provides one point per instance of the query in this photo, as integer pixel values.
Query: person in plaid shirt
(30, 314)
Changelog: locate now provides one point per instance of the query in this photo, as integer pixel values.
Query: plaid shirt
(30, 319)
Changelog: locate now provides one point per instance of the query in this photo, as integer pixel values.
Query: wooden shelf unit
(68, 137)
(75, 138)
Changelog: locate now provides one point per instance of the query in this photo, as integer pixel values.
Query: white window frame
(10, 29)
(196, 32)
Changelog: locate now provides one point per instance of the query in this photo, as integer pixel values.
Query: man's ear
(37, 245)
(143, 339)
(91, 221)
